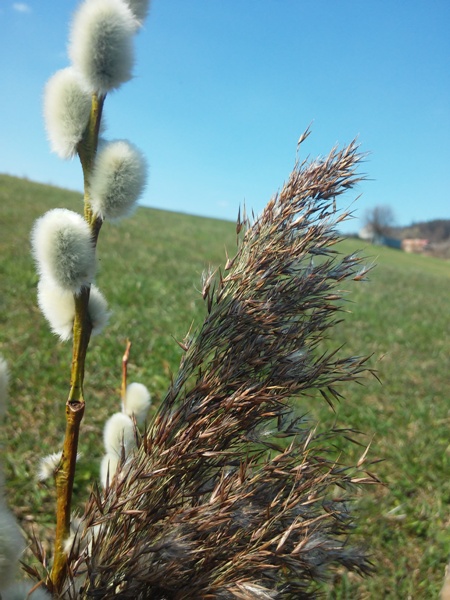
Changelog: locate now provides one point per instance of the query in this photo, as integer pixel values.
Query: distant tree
(379, 219)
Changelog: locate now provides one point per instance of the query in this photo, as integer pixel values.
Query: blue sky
(224, 88)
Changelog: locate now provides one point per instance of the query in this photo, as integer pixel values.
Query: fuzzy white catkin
(48, 465)
(137, 402)
(139, 8)
(67, 106)
(21, 590)
(118, 179)
(98, 310)
(108, 468)
(118, 432)
(11, 546)
(58, 307)
(101, 43)
(63, 249)
(4, 382)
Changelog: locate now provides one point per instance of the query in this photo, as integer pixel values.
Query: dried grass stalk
(231, 495)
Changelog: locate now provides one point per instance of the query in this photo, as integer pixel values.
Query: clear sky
(224, 88)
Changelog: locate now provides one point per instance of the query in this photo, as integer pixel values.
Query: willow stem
(64, 489)
(82, 328)
(87, 149)
(65, 473)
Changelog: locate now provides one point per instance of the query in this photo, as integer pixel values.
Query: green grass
(150, 268)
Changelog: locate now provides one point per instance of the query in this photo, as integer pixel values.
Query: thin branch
(82, 328)
(125, 359)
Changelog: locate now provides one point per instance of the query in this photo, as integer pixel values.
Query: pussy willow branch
(87, 149)
(82, 329)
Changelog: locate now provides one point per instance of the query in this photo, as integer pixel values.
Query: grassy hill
(150, 269)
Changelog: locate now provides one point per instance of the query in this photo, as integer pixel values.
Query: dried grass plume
(231, 493)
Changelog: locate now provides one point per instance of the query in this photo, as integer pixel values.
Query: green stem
(87, 149)
(82, 328)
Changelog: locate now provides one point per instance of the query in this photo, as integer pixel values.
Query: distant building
(416, 245)
(367, 234)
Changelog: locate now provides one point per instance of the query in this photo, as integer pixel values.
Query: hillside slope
(150, 273)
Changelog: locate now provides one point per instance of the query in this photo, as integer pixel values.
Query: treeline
(434, 231)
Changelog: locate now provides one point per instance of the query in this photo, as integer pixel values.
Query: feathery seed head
(63, 249)
(118, 179)
(67, 106)
(137, 402)
(4, 382)
(101, 46)
(119, 433)
(207, 478)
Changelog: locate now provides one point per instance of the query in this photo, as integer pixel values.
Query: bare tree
(379, 219)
